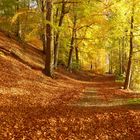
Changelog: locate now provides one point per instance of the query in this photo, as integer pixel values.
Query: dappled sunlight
(69, 70)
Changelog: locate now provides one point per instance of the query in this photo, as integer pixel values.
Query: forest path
(106, 93)
(35, 107)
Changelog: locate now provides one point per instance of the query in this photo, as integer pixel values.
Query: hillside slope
(30, 86)
(23, 51)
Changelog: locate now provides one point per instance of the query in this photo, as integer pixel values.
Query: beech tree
(49, 37)
(63, 11)
(129, 67)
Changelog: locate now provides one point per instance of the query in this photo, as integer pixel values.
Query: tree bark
(49, 37)
(43, 35)
(76, 50)
(123, 52)
(110, 63)
(120, 55)
(72, 44)
(77, 54)
(129, 67)
(56, 43)
(91, 66)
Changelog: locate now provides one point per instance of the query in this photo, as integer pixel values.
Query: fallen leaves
(33, 106)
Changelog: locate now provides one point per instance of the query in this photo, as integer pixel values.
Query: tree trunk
(76, 50)
(49, 37)
(43, 35)
(120, 56)
(110, 62)
(71, 53)
(56, 49)
(123, 52)
(72, 45)
(56, 43)
(77, 54)
(129, 67)
(91, 66)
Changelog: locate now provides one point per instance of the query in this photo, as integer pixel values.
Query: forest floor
(73, 106)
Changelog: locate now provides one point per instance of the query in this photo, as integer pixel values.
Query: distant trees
(62, 12)
(122, 39)
(72, 42)
(132, 75)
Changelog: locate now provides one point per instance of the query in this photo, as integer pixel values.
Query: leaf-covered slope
(26, 53)
(33, 106)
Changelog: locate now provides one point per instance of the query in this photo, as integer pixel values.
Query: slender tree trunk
(72, 45)
(56, 43)
(91, 66)
(71, 52)
(120, 56)
(123, 52)
(129, 67)
(77, 54)
(49, 37)
(56, 49)
(43, 35)
(76, 50)
(110, 62)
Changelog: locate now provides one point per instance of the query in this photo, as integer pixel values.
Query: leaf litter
(35, 107)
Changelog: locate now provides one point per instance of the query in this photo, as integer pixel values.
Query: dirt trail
(34, 115)
(35, 107)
